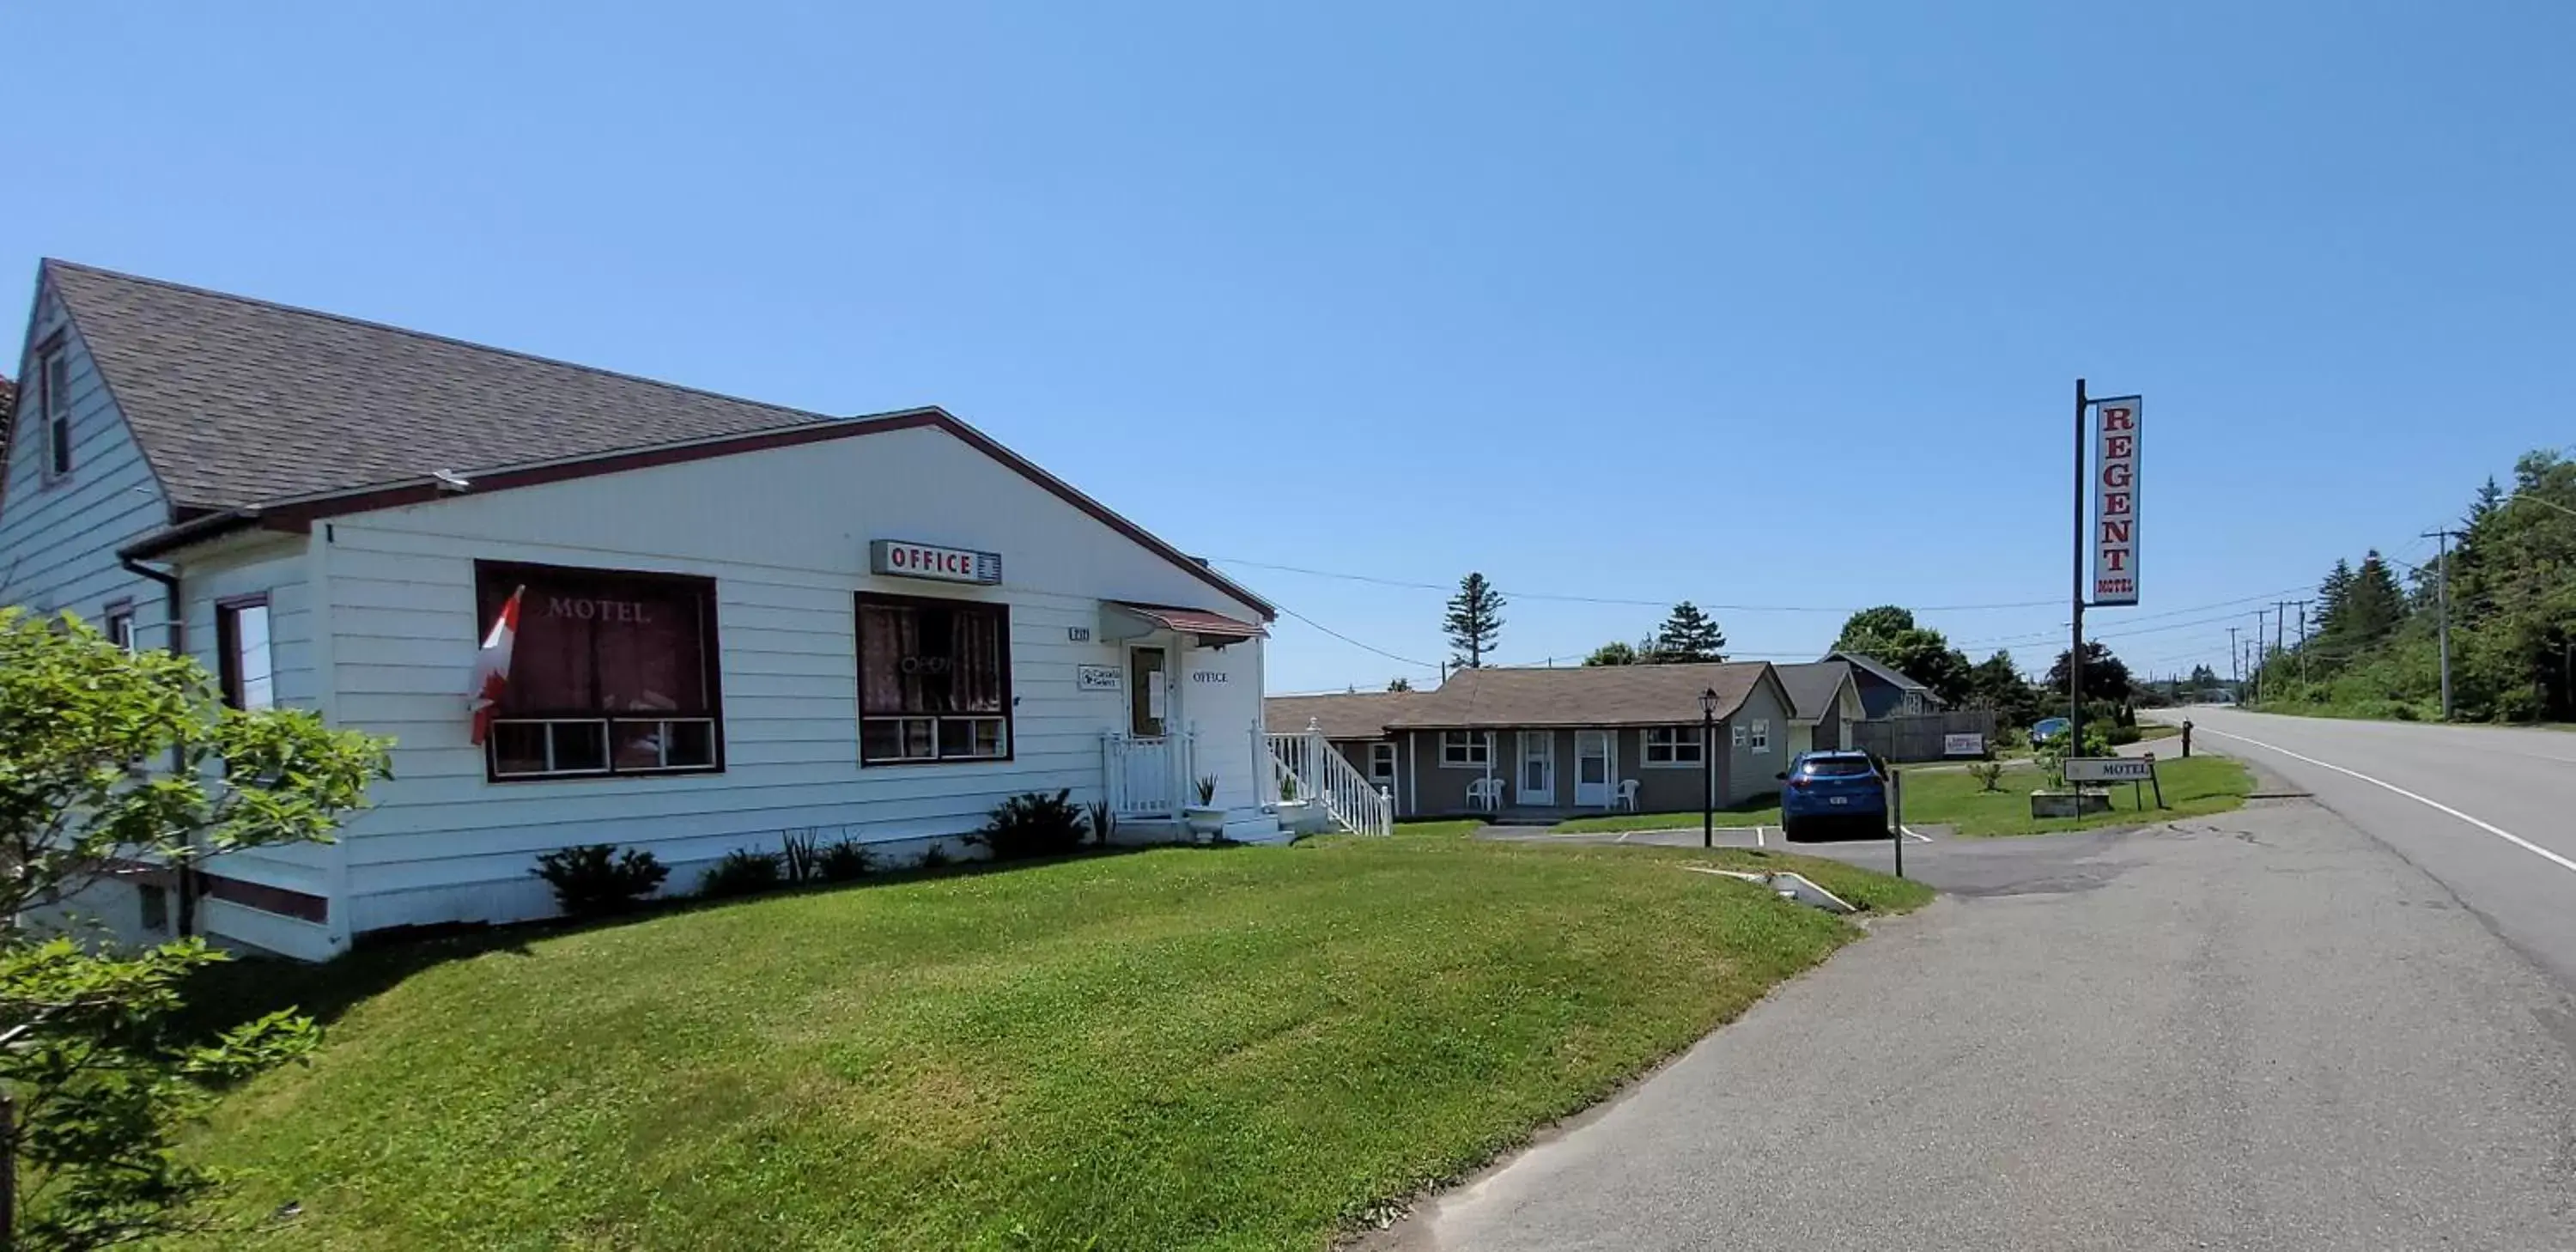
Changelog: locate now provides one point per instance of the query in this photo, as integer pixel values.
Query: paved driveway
(2261, 1030)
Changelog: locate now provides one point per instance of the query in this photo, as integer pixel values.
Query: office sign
(1963, 745)
(905, 559)
(2110, 769)
(2115, 499)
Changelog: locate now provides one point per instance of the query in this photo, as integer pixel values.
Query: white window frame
(1682, 748)
(117, 623)
(1761, 734)
(1381, 750)
(54, 412)
(1473, 748)
(1741, 736)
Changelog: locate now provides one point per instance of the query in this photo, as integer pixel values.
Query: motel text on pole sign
(2115, 499)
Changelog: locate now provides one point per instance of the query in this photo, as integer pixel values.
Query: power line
(1571, 598)
(1353, 642)
(2047, 636)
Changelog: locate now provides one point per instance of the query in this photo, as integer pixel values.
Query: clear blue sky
(1769, 306)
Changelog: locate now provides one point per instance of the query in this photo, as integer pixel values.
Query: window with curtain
(611, 673)
(934, 680)
(1673, 745)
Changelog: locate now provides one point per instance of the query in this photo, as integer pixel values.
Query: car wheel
(1794, 832)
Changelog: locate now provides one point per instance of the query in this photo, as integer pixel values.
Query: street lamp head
(1708, 702)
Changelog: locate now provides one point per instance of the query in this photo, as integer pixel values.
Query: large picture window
(1673, 745)
(611, 673)
(1467, 748)
(934, 680)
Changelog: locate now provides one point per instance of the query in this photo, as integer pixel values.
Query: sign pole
(1896, 816)
(2075, 648)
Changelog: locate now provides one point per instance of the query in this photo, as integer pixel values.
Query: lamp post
(1708, 762)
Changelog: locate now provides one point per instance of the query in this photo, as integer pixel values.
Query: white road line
(2427, 801)
(1757, 836)
(1909, 833)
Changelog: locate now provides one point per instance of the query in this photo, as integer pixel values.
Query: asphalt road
(2507, 847)
(2261, 1030)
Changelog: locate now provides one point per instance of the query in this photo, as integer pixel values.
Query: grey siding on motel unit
(1743, 773)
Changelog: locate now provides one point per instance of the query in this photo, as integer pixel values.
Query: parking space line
(1757, 836)
(1909, 833)
(2427, 801)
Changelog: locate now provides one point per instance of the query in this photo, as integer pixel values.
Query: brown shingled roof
(238, 401)
(1606, 695)
(1356, 715)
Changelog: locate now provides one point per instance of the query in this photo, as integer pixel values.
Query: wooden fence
(1921, 738)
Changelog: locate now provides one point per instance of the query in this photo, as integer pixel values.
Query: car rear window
(1836, 767)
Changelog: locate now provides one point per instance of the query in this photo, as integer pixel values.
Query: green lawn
(2199, 786)
(1247, 1048)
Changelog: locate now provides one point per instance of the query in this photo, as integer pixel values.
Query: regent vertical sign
(2115, 500)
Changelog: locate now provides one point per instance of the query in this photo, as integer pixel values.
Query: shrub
(933, 856)
(1287, 788)
(1035, 824)
(1103, 822)
(1989, 775)
(2124, 734)
(843, 861)
(742, 872)
(796, 856)
(595, 880)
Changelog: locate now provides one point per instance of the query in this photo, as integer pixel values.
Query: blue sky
(1773, 305)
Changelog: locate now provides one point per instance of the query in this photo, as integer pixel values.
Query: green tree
(1688, 636)
(110, 759)
(1613, 653)
(1996, 683)
(1870, 631)
(1399, 683)
(1474, 620)
(2106, 677)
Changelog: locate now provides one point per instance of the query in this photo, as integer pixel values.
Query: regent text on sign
(2115, 499)
(905, 559)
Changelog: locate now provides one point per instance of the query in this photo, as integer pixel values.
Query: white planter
(1204, 820)
(1304, 817)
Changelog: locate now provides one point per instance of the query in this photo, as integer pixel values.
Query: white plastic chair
(1485, 793)
(1628, 793)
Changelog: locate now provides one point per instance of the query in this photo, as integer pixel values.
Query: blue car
(1827, 791)
(2049, 728)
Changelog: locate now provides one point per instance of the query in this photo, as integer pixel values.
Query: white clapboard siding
(58, 540)
(784, 534)
(274, 566)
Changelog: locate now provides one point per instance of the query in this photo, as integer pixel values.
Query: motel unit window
(1463, 747)
(1761, 735)
(1381, 763)
(243, 660)
(54, 409)
(934, 680)
(611, 672)
(1742, 735)
(120, 624)
(1673, 745)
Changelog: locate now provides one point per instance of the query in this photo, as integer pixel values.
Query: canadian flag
(492, 666)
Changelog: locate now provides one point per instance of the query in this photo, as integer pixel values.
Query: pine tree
(2331, 597)
(1474, 621)
(1399, 683)
(1688, 636)
(2373, 606)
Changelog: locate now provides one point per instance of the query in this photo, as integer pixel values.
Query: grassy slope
(2201, 785)
(1176, 1049)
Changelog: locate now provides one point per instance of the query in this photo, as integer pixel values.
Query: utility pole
(2442, 595)
(2255, 667)
(2235, 665)
(2303, 648)
(2281, 628)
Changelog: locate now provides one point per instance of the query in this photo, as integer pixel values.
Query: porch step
(1255, 828)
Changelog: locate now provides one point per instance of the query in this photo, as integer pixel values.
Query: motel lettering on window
(2115, 500)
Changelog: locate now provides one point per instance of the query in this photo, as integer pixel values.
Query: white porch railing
(1147, 775)
(1353, 802)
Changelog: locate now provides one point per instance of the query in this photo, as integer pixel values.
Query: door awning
(1123, 619)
